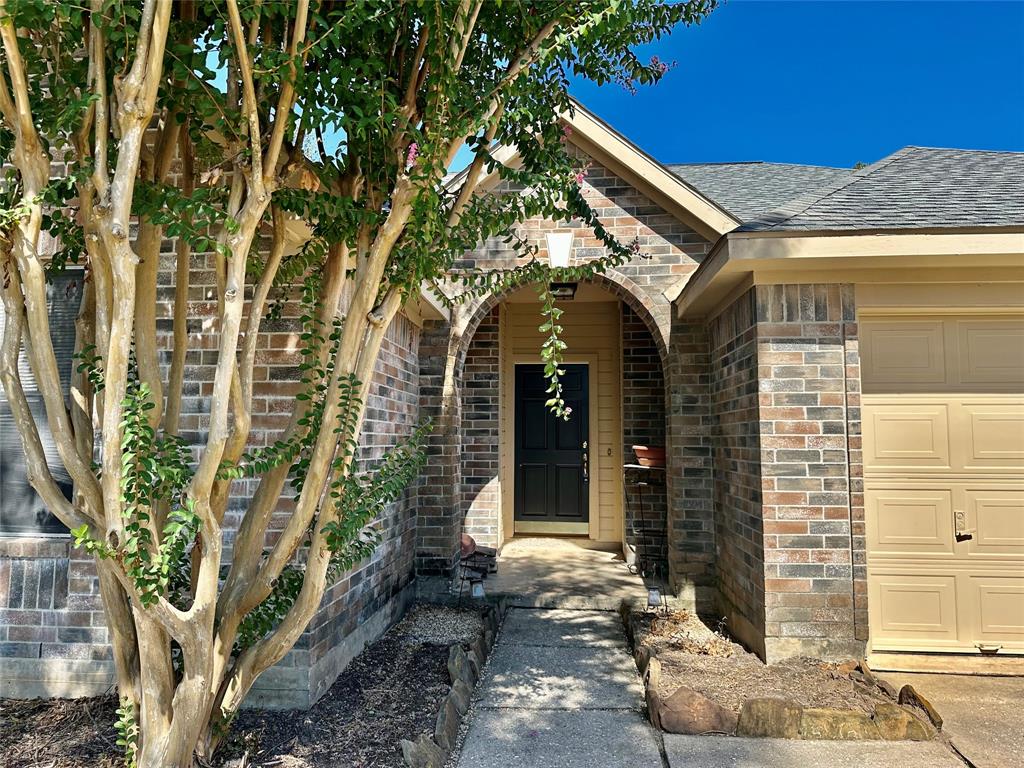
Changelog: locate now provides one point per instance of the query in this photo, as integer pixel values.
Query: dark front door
(551, 483)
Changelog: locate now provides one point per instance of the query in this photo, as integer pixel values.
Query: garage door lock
(963, 533)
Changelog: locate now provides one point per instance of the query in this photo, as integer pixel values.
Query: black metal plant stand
(649, 534)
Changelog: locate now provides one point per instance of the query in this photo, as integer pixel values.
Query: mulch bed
(391, 691)
(59, 733)
(712, 664)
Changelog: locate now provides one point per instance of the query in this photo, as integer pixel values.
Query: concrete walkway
(564, 573)
(561, 691)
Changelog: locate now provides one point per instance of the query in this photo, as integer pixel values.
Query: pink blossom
(658, 64)
(580, 176)
(413, 153)
(567, 130)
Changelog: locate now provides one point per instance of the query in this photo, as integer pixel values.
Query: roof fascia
(743, 254)
(614, 151)
(648, 175)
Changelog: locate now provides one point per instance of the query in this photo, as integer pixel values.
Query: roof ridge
(801, 203)
(761, 162)
(965, 149)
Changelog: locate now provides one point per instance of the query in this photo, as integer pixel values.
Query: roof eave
(638, 168)
(622, 157)
(740, 255)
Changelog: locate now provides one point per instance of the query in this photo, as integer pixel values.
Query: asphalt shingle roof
(747, 190)
(915, 188)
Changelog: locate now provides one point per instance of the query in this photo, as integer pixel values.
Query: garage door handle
(963, 533)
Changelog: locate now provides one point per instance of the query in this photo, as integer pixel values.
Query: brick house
(833, 359)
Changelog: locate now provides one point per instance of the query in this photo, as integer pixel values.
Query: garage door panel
(991, 435)
(991, 352)
(996, 517)
(999, 610)
(943, 450)
(910, 521)
(918, 609)
(906, 436)
(901, 352)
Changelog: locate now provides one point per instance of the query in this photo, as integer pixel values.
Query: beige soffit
(740, 256)
(426, 306)
(622, 157)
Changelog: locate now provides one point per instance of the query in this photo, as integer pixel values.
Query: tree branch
(248, 96)
(285, 100)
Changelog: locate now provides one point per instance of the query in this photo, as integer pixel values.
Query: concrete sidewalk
(561, 691)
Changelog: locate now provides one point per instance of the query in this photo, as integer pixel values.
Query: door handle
(586, 463)
(962, 532)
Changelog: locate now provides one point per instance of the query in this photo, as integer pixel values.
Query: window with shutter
(21, 511)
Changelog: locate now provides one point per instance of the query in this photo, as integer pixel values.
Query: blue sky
(829, 83)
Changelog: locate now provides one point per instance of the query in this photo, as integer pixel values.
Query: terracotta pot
(648, 456)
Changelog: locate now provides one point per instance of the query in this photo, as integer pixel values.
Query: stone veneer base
(281, 687)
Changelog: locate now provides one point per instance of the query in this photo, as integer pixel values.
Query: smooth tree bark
(227, 125)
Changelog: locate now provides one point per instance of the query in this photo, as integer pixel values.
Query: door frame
(506, 439)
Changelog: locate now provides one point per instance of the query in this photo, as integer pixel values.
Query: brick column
(479, 454)
(643, 423)
(739, 528)
(437, 508)
(810, 470)
(690, 488)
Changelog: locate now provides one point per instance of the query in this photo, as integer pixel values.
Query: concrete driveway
(731, 752)
(982, 716)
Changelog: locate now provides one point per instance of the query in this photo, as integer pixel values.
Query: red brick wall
(739, 528)
(479, 434)
(49, 600)
(673, 252)
(691, 526)
(438, 518)
(811, 474)
(643, 423)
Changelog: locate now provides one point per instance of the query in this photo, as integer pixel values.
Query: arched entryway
(617, 343)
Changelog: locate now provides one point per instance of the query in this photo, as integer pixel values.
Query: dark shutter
(21, 510)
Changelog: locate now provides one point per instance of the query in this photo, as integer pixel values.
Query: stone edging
(908, 717)
(465, 661)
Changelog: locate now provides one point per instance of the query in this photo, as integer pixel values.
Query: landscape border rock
(688, 711)
(910, 696)
(465, 663)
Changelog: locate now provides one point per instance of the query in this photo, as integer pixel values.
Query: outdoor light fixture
(559, 248)
(654, 599)
(476, 589)
(563, 291)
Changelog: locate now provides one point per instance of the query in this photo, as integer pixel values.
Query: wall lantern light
(656, 600)
(559, 248)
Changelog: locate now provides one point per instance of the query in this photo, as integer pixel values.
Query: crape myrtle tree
(224, 124)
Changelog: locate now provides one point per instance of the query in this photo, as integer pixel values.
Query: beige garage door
(943, 422)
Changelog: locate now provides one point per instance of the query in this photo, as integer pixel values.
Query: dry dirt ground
(710, 663)
(391, 691)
